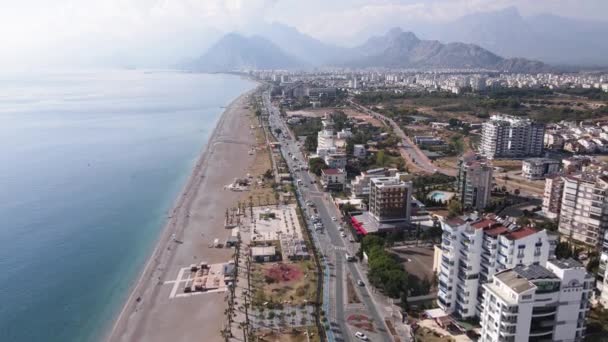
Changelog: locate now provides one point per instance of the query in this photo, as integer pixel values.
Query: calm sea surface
(90, 162)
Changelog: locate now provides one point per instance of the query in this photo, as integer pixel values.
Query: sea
(90, 164)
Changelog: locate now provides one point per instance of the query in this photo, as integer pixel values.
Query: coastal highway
(409, 151)
(329, 240)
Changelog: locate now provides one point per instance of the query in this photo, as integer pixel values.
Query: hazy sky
(32, 31)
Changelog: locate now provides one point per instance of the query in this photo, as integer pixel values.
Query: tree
(310, 143)
(380, 158)
(563, 250)
(454, 208)
(316, 165)
(435, 232)
(593, 265)
(277, 131)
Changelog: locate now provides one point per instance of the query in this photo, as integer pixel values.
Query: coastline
(144, 292)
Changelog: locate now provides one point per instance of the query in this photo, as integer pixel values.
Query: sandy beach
(196, 220)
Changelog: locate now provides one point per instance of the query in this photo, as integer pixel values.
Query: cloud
(35, 30)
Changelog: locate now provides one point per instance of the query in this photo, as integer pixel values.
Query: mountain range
(552, 39)
(282, 47)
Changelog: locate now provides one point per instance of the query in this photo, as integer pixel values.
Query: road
(409, 151)
(329, 240)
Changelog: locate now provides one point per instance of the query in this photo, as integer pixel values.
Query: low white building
(333, 179)
(335, 160)
(534, 303)
(538, 168)
(360, 186)
(473, 250)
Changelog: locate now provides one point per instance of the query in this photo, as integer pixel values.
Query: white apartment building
(552, 197)
(584, 207)
(333, 179)
(474, 182)
(536, 303)
(326, 143)
(390, 199)
(360, 186)
(538, 168)
(506, 136)
(474, 250)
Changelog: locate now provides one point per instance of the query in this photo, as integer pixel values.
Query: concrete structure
(538, 168)
(335, 160)
(584, 207)
(507, 136)
(473, 250)
(534, 303)
(474, 181)
(360, 185)
(552, 198)
(427, 140)
(264, 254)
(390, 199)
(359, 151)
(333, 179)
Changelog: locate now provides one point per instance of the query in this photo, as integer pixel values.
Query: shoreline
(176, 223)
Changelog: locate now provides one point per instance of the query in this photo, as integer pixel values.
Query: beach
(196, 220)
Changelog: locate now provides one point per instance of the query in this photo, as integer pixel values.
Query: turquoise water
(90, 163)
(441, 196)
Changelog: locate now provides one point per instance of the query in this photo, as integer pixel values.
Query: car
(343, 234)
(361, 336)
(360, 282)
(334, 219)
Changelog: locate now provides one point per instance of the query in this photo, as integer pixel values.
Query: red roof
(485, 223)
(358, 226)
(456, 221)
(496, 231)
(331, 171)
(521, 233)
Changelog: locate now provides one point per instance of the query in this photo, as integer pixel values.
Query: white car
(334, 219)
(342, 234)
(361, 336)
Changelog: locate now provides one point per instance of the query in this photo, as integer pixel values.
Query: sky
(131, 31)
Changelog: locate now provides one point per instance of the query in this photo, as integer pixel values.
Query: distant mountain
(235, 51)
(399, 49)
(546, 37)
(305, 47)
(396, 49)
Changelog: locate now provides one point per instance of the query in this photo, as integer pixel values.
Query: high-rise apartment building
(536, 303)
(473, 250)
(390, 199)
(584, 207)
(552, 198)
(474, 182)
(506, 136)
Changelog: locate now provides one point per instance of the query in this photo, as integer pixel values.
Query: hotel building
(536, 303)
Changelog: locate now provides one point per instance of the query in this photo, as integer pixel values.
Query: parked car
(360, 282)
(361, 336)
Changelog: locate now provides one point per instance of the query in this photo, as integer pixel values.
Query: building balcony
(538, 332)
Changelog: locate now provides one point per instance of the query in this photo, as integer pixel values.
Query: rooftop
(332, 171)
(520, 233)
(263, 251)
(534, 272)
(514, 281)
(565, 264)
